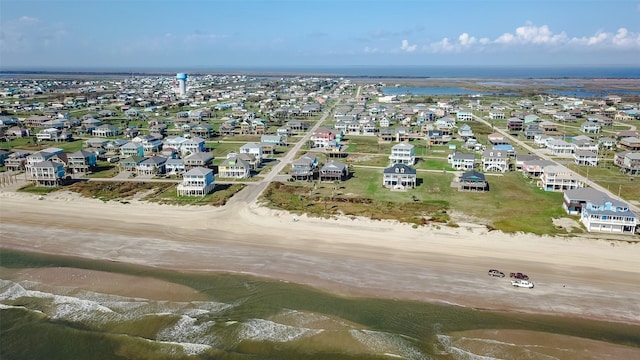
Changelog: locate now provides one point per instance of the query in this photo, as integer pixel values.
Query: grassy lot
(38, 190)
(223, 148)
(221, 194)
(104, 170)
(27, 143)
(368, 160)
(20, 143)
(612, 179)
(121, 191)
(367, 144)
(163, 193)
(433, 164)
(506, 207)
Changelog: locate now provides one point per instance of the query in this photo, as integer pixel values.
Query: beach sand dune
(573, 276)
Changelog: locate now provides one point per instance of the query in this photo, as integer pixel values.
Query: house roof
(47, 164)
(174, 162)
(133, 159)
(403, 145)
(334, 166)
(473, 176)
(131, 145)
(251, 145)
(80, 153)
(489, 153)
(461, 155)
(526, 157)
(155, 160)
(592, 195)
(237, 160)
(400, 168)
(198, 171)
(583, 153)
(204, 156)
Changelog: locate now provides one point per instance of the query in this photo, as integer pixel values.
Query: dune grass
(512, 205)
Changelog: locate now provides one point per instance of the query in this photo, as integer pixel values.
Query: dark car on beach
(497, 273)
(519, 276)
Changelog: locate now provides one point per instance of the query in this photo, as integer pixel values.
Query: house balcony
(608, 219)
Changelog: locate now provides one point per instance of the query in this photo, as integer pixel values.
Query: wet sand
(574, 276)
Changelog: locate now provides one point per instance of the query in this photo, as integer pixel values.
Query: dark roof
(473, 176)
(401, 168)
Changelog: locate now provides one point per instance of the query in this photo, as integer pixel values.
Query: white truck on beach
(522, 283)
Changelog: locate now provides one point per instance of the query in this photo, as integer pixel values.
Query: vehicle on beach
(519, 276)
(522, 283)
(497, 273)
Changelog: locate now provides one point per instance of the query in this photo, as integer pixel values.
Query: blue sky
(243, 33)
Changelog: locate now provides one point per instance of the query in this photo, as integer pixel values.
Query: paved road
(251, 193)
(543, 155)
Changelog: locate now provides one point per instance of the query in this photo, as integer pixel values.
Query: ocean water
(410, 71)
(250, 318)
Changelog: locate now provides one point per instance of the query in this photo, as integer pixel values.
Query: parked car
(497, 273)
(520, 276)
(522, 283)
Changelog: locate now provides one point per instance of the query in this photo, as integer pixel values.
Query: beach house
(462, 161)
(47, 173)
(81, 161)
(399, 177)
(558, 178)
(473, 181)
(493, 160)
(234, 167)
(304, 168)
(334, 171)
(197, 182)
(607, 215)
(629, 162)
(403, 153)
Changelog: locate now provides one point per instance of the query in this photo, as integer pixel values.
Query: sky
(322, 33)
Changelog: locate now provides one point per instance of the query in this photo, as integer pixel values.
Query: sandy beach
(573, 276)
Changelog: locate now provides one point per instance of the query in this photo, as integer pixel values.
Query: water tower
(182, 83)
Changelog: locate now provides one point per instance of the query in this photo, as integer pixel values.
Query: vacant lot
(511, 205)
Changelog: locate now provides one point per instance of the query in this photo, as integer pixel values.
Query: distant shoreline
(354, 72)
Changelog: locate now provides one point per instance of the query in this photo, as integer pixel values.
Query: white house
(608, 215)
(560, 147)
(465, 132)
(399, 177)
(462, 161)
(496, 114)
(234, 167)
(197, 182)
(493, 160)
(585, 157)
(403, 153)
(252, 149)
(192, 145)
(464, 116)
(174, 166)
(47, 173)
(558, 178)
(106, 130)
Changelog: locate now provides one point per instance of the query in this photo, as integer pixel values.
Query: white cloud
(408, 48)
(466, 40)
(538, 36)
(202, 37)
(26, 34)
(531, 34)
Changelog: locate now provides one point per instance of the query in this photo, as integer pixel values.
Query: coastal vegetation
(513, 205)
(125, 191)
